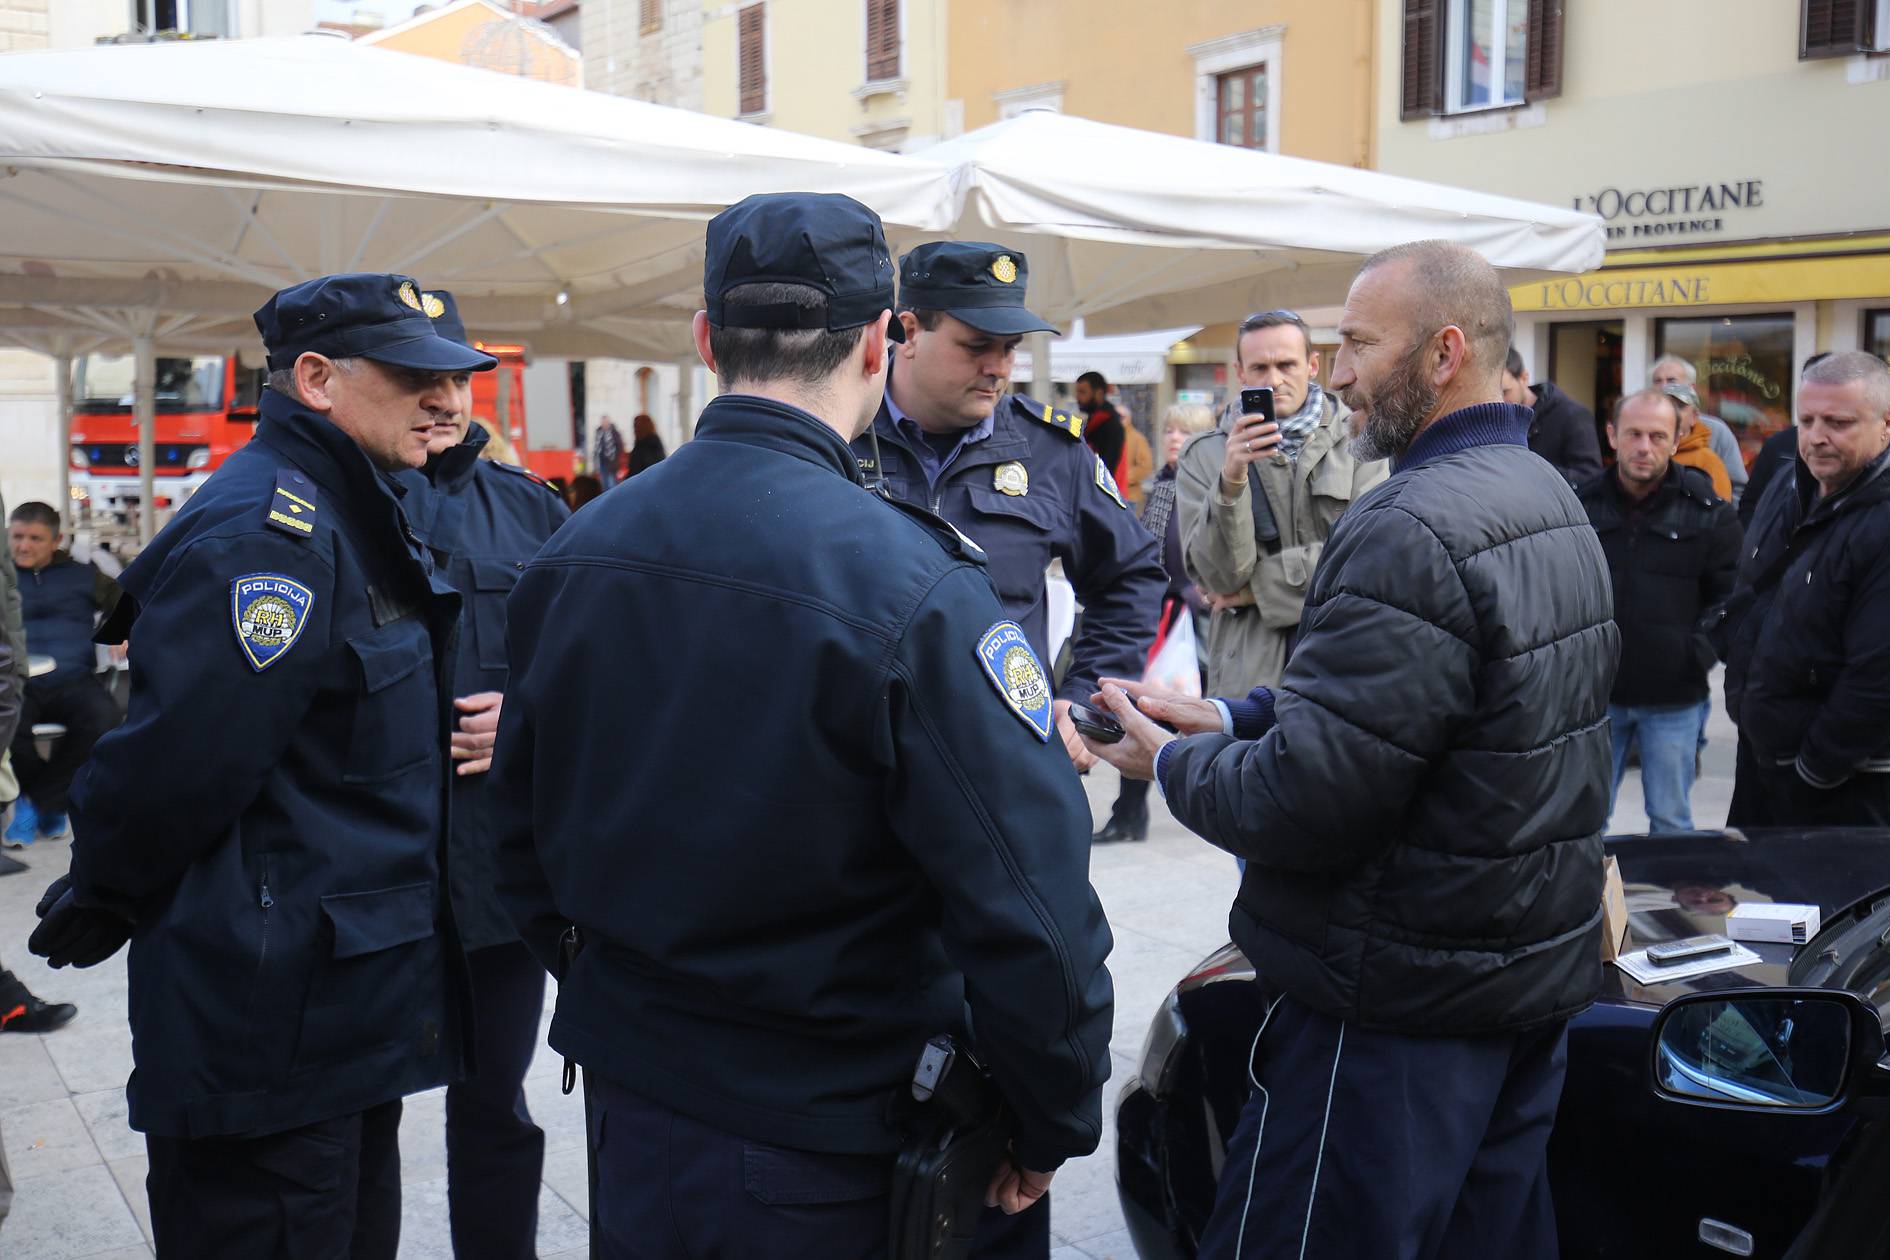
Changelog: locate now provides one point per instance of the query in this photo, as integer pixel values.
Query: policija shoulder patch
(1013, 669)
(269, 612)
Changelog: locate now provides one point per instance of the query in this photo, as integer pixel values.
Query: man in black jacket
(1808, 676)
(1420, 806)
(1673, 549)
(1562, 430)
(795, 877)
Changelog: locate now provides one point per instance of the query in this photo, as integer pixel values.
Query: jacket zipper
(266, 900)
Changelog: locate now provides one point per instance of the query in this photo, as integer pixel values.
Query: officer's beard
(1395, 410)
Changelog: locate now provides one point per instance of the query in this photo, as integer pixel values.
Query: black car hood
(1683, 885)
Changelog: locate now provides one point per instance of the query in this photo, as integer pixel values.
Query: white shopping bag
(1174, 667)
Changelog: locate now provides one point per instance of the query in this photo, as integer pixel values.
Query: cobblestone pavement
(79, 1171)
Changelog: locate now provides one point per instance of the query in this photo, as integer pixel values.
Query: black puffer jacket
(1671, 563)
(1422, 826)
(1808, 667)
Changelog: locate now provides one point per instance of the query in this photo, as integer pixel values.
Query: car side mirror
(1778, 1050)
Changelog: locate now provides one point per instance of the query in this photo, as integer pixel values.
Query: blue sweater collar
(1485, 424)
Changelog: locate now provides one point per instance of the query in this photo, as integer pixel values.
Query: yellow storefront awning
(1774, 272)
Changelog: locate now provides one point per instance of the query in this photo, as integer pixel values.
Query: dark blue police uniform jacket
(482, 521)
(272, 811)
(1065, 507)
(827, 815)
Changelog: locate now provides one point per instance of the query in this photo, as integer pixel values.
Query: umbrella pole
(685, 398)
(1042, 388)
(144, 409)
(62, 395)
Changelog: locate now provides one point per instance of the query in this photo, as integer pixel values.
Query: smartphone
(1095, 724)
(1256, 402)
(1692, 949)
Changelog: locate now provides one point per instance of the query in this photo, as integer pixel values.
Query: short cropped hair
(928, 320)
(1271, 319)
(1514, 364)
(1855, 365)
(36, 513)
(1453, 285)
(282, 380)
(1685, 365)
(1647, 395)
(1094, 380)
(807, 356)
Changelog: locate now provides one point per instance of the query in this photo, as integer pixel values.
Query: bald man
(1420, 805)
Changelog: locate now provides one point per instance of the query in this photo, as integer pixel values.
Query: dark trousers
(86, 710)
(1368, 1144)
(320, 1192)
(495, 1155)
(1774, 796)
(673, 1188)
(1025, 1236)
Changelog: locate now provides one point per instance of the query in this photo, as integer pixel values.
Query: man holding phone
(1258, 495)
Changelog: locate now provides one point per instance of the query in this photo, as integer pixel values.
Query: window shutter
(1423, 59)
(649, 16)
(882, 40)
(753, 68)
(1542, 63)
(1834, 28)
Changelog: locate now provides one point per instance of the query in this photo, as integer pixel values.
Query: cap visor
(1001, 321)
(432, 354)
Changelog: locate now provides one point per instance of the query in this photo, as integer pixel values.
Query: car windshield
(104, 382)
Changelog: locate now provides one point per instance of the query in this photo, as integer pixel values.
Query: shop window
(882, 40)
(752, 63)
(1240, 112)
(1746, 368)
(1463, 55)
(1840, 28)
(1877, 333)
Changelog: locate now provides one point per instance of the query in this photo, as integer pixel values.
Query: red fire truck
(206, 408)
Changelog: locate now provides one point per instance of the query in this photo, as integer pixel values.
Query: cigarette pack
(1779, 922)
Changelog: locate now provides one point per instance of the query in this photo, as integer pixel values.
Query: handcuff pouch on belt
(957, 1133)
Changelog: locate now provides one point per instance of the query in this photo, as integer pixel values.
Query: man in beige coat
(1254, 561)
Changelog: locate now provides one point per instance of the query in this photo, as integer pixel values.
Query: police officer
(1009, 471)
(267, 827)
(829, 819)
(482, 521)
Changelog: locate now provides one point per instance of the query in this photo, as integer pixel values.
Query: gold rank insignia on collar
(1012, 478)
(1062, 421)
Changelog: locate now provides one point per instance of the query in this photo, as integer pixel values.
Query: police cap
(447, 323)
(978, 284)
(824, 241)
(367, 315)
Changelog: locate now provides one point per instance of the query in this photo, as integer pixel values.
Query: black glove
(70, 935)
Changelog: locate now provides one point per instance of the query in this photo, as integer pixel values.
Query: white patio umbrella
(1134, 229)
(163, 191)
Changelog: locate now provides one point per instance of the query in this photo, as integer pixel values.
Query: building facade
(1746, 228)
(489, 36)
(872, 72)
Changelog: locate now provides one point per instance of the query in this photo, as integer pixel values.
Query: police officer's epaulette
(292, 506)
(947, 533)
(1066, 422)
(528, 474)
